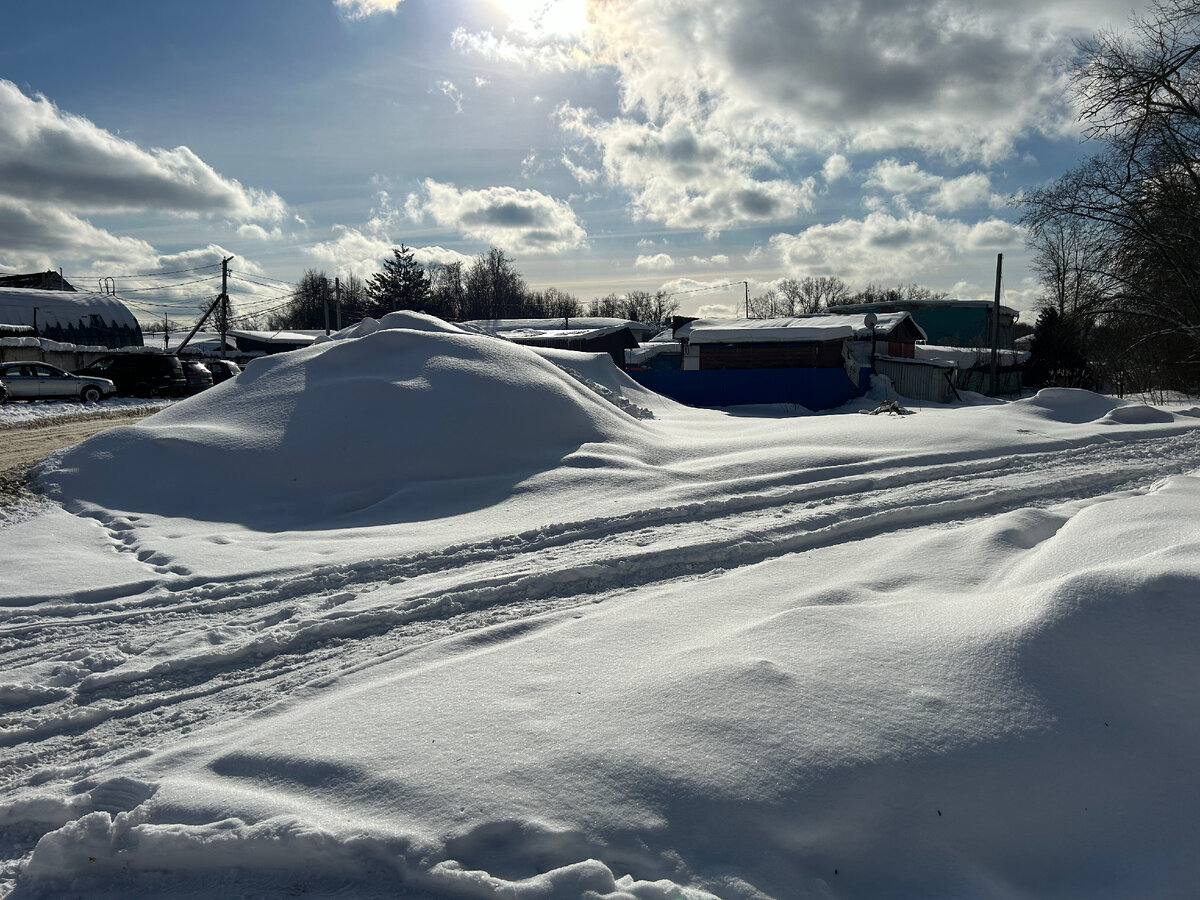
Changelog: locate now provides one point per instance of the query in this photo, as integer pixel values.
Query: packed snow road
(29, 431)
(134, 671)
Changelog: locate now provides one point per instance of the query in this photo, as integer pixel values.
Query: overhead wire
(216, 265)
(712, 287)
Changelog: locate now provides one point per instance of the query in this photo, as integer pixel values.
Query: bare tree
(812, 294)
(494, 288)
(306, 308)
(1139, 195)
(447, 290)
(764, 306)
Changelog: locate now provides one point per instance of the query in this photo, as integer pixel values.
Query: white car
(42, 381)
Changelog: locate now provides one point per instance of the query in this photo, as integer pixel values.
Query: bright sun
(546, 16)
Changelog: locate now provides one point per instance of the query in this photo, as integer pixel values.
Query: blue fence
(814, 389)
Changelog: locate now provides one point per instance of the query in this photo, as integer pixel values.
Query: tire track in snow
(249, 643)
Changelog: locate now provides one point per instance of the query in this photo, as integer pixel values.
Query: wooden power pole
(996, 329)
(224, 298)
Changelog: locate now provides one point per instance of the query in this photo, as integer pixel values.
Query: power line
(162, 274)
(246, 277)
(712, 287)
(166, 287)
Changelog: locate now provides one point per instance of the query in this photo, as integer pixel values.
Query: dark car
(141, 374)
(223, 369)
(41, 381)
(197, 375)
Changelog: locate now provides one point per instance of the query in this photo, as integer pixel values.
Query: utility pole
(337, 298)
(224, 302)
(166, 333)
(325, 301)
(996, 329)
(746, 307)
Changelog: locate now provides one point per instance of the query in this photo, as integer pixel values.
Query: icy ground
(417, 613)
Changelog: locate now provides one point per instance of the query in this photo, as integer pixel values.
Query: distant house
(71, 317)
(946, 323)
(588, 334)
(818, 362)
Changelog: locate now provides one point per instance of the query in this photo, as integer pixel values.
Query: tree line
(1116, 240)
(816, 293)
(490, 287)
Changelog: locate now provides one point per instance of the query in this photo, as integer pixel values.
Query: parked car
(197, 375)
(223, 369)
(3, 392)
(42, 381)
(141, 374)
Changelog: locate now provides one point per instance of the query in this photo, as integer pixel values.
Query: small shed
(71, 317)
(920, 379)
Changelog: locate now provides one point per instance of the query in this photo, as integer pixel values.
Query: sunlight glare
(562, 17)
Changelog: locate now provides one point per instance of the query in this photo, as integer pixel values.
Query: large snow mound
(335, 429)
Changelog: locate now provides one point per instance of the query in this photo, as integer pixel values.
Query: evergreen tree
(1057, 357)
(403, 284)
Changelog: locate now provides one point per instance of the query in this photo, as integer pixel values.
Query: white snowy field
(419, 613)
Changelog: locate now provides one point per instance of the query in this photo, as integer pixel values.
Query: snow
(41, 411)
(47, 309)
(419, 612)
(817, 327)
(966, 357)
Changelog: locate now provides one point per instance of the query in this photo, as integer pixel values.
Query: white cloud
(450, 90)
(258, 233)
(659, 262)
(946, 194)
(52, 157)
(687, 177)
(883, 247)
(361, 9)
(361, 252)
(836, 166)
(582, 174)
(33, 237)
(961, 78)
(519, 221)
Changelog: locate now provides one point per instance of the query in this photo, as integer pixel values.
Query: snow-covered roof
(571, 334)
(278, 337)
(524, 327)
(797, 329)
(920, 304)
(647, 351)
(965, 357)
(63, 309)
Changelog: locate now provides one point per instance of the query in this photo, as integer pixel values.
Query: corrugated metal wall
(920, 381)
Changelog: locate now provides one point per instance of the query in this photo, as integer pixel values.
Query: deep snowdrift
(336, 433)
(950, 654)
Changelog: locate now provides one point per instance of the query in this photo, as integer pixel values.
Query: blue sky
(606, 145)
